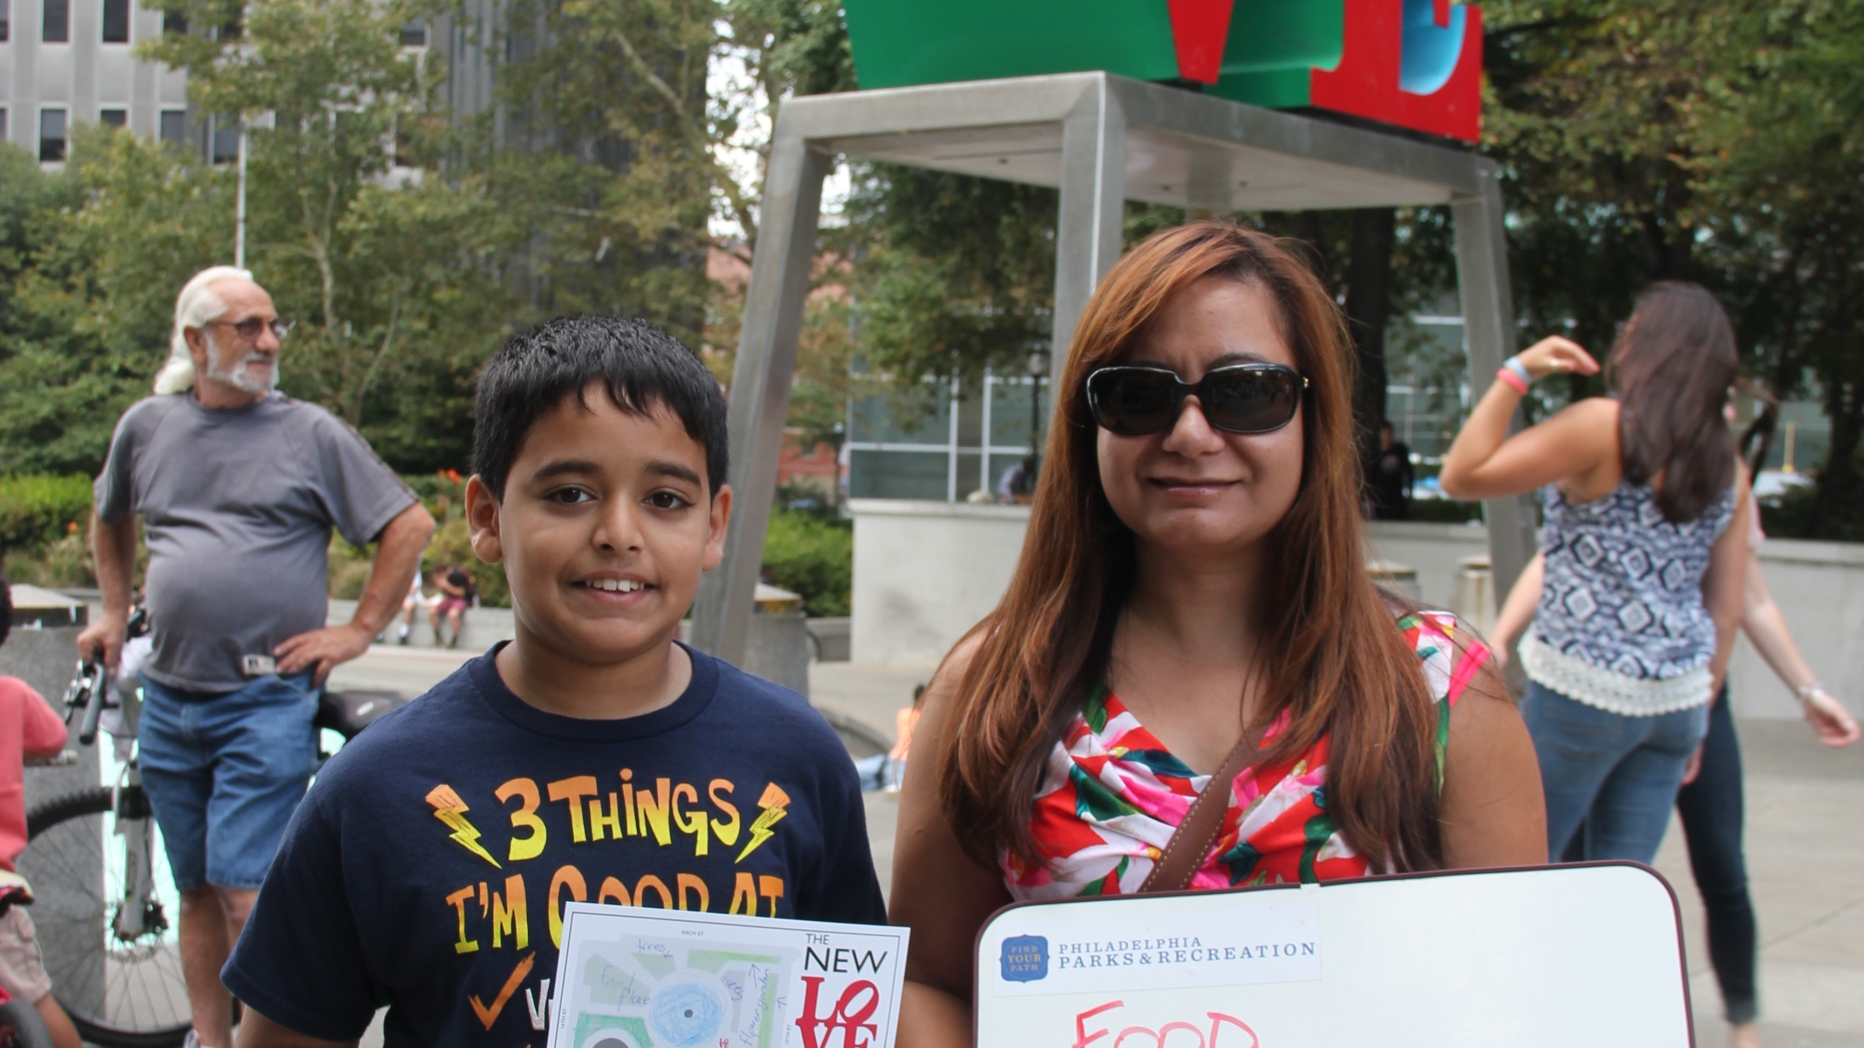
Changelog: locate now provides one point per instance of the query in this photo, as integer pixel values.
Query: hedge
(813, 557)
(36, 511)
(803, 551)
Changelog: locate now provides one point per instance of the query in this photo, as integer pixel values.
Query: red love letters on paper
(850, 1016)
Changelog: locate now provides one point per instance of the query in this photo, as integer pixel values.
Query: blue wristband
(1514, 364)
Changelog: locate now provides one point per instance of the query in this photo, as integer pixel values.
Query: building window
(116, 21)
(174, 129)
(414, 34)
(2, 125)
(6, 20)
(966, 444)
(56, 28)
(51, 135)
(226, 139)
(175, 21)
(113, 117)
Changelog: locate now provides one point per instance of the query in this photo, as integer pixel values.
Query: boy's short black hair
(642, 367)
(6, 608)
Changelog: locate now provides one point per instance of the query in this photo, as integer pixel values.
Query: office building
(68, 62)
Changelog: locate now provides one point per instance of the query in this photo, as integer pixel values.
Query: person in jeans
(1646, 541)
(238, 488)
(1710, 803)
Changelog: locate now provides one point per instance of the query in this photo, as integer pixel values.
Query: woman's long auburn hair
(1333, 656)
(1671, 367)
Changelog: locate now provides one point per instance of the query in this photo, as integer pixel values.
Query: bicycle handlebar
(88, 688)
(93, 709)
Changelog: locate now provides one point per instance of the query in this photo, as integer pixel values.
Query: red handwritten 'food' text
(1192, 1035)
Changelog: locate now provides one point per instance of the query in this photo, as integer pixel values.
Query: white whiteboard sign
(1555, 957)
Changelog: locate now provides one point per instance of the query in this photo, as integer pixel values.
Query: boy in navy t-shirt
(590, 758)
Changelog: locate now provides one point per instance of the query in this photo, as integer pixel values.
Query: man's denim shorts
(225, 772)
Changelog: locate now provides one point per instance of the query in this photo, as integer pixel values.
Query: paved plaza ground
(1805, 846)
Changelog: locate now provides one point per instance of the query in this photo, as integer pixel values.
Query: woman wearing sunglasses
(1645, 540)
(1192, 609)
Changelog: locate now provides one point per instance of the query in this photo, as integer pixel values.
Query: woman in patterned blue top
(1645, 539)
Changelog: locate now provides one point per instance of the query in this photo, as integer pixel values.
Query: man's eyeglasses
(1248, 398)
(250, 328)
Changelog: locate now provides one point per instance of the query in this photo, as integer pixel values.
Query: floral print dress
(1113, 795)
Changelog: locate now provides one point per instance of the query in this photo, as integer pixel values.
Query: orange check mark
(489, 1015)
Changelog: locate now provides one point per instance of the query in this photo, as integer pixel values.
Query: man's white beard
(237, 376)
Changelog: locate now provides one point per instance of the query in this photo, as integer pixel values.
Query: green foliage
(65, 563)
(395, 283)
(348, 568)
(1711, 141)
(36, 511)
(812, 556)
(960, 274)
(87, 323)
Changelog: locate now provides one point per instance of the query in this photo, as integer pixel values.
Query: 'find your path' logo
(1025, 958)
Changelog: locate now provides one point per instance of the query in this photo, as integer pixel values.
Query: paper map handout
(629, 977)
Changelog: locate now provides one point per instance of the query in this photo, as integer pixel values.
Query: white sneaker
(192, 1040)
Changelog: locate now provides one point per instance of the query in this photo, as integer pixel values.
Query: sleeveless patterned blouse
(1621, 624)
(1113, 795)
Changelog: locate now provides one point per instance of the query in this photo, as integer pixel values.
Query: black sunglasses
(1247, 398)
(249, 328)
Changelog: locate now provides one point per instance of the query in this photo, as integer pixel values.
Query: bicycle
(103, 914)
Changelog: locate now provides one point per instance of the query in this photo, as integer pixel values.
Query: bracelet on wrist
(1514, 381)
(1514, 364)
(1805, 692)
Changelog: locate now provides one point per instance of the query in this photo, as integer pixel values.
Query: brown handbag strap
(1195, 836)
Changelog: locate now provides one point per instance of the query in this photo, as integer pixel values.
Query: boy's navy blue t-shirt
(426, 869)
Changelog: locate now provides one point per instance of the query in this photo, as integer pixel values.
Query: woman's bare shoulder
(951, 669)
(1592, 411)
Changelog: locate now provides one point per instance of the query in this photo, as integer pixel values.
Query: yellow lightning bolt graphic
(448, 808)
(773, 802)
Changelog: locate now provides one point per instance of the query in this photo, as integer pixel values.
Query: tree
(1784, 214)
(1656, 139)
(93, 292)
(388, 276)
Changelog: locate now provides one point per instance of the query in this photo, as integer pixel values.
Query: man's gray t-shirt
(239, 504)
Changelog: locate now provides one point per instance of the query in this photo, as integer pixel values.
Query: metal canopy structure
(1101, 139)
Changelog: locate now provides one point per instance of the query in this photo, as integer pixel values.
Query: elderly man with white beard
(239, 488)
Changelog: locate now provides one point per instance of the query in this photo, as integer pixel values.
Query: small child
(592, 757)
(28, 728)
(450, 603)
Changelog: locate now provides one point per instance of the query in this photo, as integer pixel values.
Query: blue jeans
(1711, 810)
(225, 772)
(1617, 775)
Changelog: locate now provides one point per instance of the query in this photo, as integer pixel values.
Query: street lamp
(266, 120)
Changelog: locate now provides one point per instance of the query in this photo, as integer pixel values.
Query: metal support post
(239, 206)
(760, 384)
(1489, 324)
(1093, 198)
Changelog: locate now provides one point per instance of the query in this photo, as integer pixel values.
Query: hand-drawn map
(644, 978)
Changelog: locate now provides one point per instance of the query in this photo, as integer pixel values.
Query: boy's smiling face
(604, 529)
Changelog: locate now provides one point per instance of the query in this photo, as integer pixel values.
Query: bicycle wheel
(120, 992)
